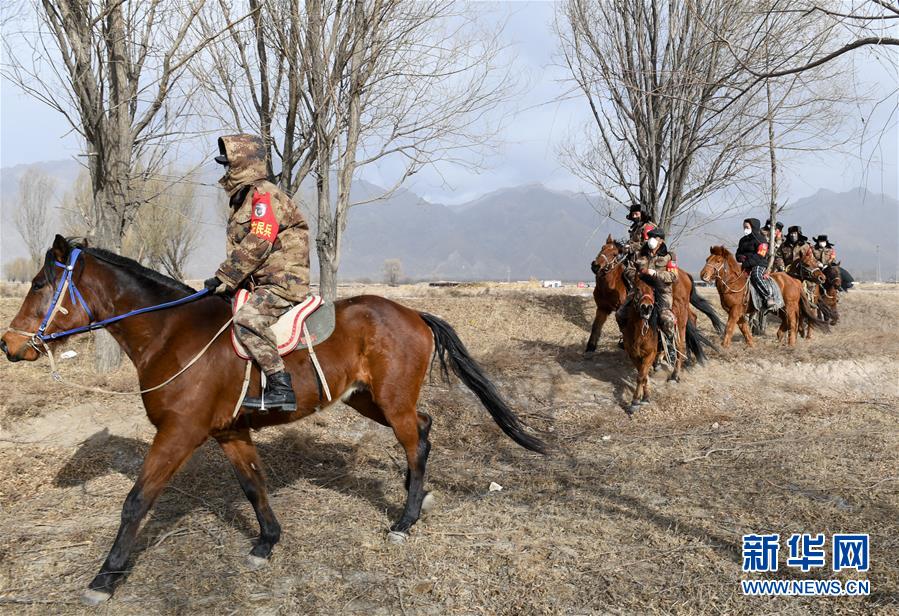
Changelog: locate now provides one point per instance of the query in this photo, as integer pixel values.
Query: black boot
(278, 395)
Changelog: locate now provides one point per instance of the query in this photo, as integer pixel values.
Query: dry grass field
(628, 516)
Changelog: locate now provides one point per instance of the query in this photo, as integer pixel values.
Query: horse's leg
(745, 329)
(644, 379)
(170, 449)
(240, 450)
(680, 343)
(411, 429)
(732, 318)
(598, 321)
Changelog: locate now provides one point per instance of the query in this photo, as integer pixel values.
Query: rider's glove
(651, 272)
(214, 285)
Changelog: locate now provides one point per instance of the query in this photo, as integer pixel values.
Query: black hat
(822, 238)
(797, 229)
(655, 232)
(222, 158)
(779, 226)
(636, 207)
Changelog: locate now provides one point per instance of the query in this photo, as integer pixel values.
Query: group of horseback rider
(757, 242)
(649, 255)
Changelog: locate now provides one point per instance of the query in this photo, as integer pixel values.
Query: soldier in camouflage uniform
(824, 252)
(775, 244)
(789, 255)
(654, 260)
(641, 224)
(267, 253)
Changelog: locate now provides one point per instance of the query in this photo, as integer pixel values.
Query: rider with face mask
(824, 252)
(773, 244)
(752, 254)
(654, 260)
(641, 225)
(790, 254)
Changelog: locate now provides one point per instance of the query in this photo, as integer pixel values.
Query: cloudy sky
(30, 132)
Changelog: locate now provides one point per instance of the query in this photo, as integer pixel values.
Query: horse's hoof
(397, 537)
(644, 401)
(94, 597)
(633, 408)
(428, 503)
(674, 378)
(254, 563)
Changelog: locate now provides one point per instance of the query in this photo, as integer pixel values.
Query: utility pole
(877, 270)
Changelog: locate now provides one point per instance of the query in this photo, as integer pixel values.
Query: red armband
(263, 223)
(763, 249)
(646, 229)
(671, 266)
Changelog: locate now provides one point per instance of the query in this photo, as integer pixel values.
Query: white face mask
(822, 244)
(746, 230)
(653, 242)
(794, 236)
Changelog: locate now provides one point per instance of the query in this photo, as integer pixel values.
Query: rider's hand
(651, 272)
(214, 285)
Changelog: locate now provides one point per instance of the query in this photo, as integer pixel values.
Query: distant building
(552, 284)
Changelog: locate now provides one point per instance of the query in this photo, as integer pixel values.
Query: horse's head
(714, 264)
(834, 277)
(811, 269)
(608, 257)
(647, 299)
(47, 291)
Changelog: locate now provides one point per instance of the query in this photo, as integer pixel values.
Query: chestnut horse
(733, 283)
(610, 290)
(640, 329)
(831, 293)
(377, 359)
(811, 275)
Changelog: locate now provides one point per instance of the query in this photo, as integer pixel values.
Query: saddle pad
(773, 289)
(317, 315)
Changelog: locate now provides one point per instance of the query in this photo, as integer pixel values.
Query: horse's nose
(4, 348)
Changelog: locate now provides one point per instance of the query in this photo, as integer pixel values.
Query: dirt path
(629, 516)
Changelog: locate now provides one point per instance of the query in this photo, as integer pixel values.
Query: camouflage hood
(246, 161)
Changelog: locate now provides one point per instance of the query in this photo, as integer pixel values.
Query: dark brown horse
(610, 290)
(640, 329)
(831, 293)
(812, 277)
(377, 360)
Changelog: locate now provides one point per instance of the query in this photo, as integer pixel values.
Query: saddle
(759, 302)
(313, 315)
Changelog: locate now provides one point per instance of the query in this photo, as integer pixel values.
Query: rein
(67, 282)
(608, 266)
(719, 277)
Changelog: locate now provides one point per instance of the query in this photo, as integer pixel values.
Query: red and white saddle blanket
(289, 328)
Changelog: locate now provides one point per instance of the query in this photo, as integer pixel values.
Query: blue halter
(78, 300)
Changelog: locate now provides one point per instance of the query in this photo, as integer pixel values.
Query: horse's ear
(609, 239)
(711, 250)
(60, 248)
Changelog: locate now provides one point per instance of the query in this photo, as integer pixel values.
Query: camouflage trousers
(253, 327)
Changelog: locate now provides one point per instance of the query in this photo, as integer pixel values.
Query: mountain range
(517, 233)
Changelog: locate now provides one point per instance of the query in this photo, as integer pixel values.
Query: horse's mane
(721, 251)
(131, 266)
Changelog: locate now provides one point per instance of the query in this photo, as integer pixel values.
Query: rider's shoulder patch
(671, 265)
(263, 223)
(763, 249)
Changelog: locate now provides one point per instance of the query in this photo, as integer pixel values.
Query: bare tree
(676, 115)
(114, 69)
(357, 83)
(21, 269)
(393, 271)
(32, 214)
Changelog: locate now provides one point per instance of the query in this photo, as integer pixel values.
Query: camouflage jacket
(825, 256)
(664, 264)
(788, 256)
(268, 241)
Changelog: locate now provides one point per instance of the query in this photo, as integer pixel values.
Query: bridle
(719, 277)
(608, 264)
(67, 283)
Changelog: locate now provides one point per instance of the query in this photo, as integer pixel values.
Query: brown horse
(831, 293)
(377, 359)
(732, 283)
(640, 329)
(610, 290)
(812, 277)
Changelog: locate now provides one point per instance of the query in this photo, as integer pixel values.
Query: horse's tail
(705, 307)
(448, 345)
(695, 342)
(809, 313)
